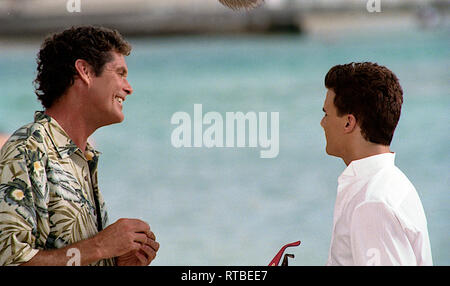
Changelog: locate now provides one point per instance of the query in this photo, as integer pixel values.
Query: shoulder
(29, 137)
(390, 196)
(373, 211)
(390, 186)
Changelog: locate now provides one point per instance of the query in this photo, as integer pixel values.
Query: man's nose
(128, 89)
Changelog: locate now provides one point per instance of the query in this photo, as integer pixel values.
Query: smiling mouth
(119, 99)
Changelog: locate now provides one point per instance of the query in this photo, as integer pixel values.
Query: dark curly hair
(372, 93)
(56, 58)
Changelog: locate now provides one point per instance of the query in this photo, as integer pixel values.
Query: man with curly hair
(378, 215)
(51, 209)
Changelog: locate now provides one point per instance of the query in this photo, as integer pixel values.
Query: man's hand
(142, 256)
(135, 258)
(130, 240)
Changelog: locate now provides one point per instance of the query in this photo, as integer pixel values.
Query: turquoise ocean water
(228, 206)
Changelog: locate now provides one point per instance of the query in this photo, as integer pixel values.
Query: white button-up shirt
(378, 217)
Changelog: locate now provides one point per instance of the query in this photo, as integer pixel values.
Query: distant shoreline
(142, 20)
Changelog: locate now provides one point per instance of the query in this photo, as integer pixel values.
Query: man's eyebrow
(122, 70)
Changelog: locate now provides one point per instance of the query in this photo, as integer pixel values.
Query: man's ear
(84, 71)
(350, 123)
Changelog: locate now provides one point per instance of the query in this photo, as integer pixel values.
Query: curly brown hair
(372, 93)
(56, 58)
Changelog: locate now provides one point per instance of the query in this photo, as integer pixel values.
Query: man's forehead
(330, 93)
(329, 97)
(118, 61)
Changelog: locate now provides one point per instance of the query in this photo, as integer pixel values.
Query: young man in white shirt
(378, 215)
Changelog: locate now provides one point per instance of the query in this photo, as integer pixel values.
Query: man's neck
(72, 122)
(364, 151)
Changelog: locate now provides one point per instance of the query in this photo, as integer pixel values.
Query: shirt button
(86, 178)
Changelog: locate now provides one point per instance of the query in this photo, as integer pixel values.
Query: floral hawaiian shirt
(49, 195)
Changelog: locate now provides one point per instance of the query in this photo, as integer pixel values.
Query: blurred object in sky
(241, 4)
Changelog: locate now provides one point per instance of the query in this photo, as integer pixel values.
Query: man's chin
(331, 152)
(119, 118)
(116, 120)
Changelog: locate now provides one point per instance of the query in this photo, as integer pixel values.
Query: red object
(277, 257)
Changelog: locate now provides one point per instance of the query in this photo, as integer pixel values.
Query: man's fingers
(144, 240)
(149, 252)
(140, 237)
(134, 225)
(139, 225)
(142, 256)
(153, 244)
(151, 235)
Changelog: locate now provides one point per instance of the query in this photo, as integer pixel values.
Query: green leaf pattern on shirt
(47, 192)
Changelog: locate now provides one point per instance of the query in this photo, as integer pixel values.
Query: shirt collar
(368, 166)
(61, 141)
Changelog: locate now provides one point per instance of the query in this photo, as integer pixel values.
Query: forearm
(89, 251)
(123, 239)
